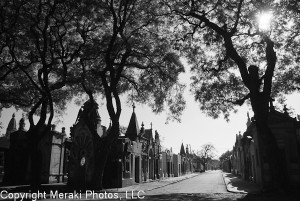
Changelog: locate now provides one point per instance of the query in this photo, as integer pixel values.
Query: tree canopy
(40, 41)
(235, 59)
(206, 153)
(129, 52)
(53, 50)
(221, 39)
(225, 156)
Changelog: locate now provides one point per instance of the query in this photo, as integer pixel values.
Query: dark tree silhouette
(40, 41)
(225, 156)
(129, 52)
(53, 50)
(221, 39)
(206, 154)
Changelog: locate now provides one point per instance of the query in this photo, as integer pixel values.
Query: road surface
(208, 186)
(208, 182)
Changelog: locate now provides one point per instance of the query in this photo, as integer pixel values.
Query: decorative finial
(248, 120)
(133, 106)
(156, 135)
(285, 110)
(271, 104)
(142, 129)
(13, 115)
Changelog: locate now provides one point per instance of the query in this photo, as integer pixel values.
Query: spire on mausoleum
(182, 152)
(22, 124)
(148, 133)
(187, 149)
(133, 126)
(156, 135)
(12, 126)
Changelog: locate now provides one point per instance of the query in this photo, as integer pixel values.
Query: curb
(171, 183)
(226, 184)
(163, 185)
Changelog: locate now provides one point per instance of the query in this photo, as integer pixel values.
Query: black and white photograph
(155, 100)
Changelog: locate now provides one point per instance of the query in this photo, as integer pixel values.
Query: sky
(194, 130)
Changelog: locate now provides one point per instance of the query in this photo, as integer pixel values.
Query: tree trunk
(104, 153)
(204, 166)
(35, 165)
(100, 172)
(269, 150)
(35, 157)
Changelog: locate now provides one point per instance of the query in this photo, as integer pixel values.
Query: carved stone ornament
(82, 161)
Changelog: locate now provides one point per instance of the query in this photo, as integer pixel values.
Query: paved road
(208, 182)
(206, 186)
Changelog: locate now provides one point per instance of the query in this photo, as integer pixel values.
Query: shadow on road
(194, 197)
(270, 197)
(236, 184)
(221, 197)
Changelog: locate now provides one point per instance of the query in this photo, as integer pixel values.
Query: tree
(220, 39)
(40, 41)
(288, 69)
(206, 154)
(225, 156)
(51, 50)
(129, 53)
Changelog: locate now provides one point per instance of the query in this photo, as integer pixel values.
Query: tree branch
(234, 29)
(271, 62)
(231, 51)
(32, 111)
(239, 102)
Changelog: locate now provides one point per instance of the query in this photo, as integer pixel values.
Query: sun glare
(264, 20)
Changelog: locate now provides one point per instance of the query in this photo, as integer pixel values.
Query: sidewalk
(145, 186)
(235, 184)
(149, 186)
(71, 195)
